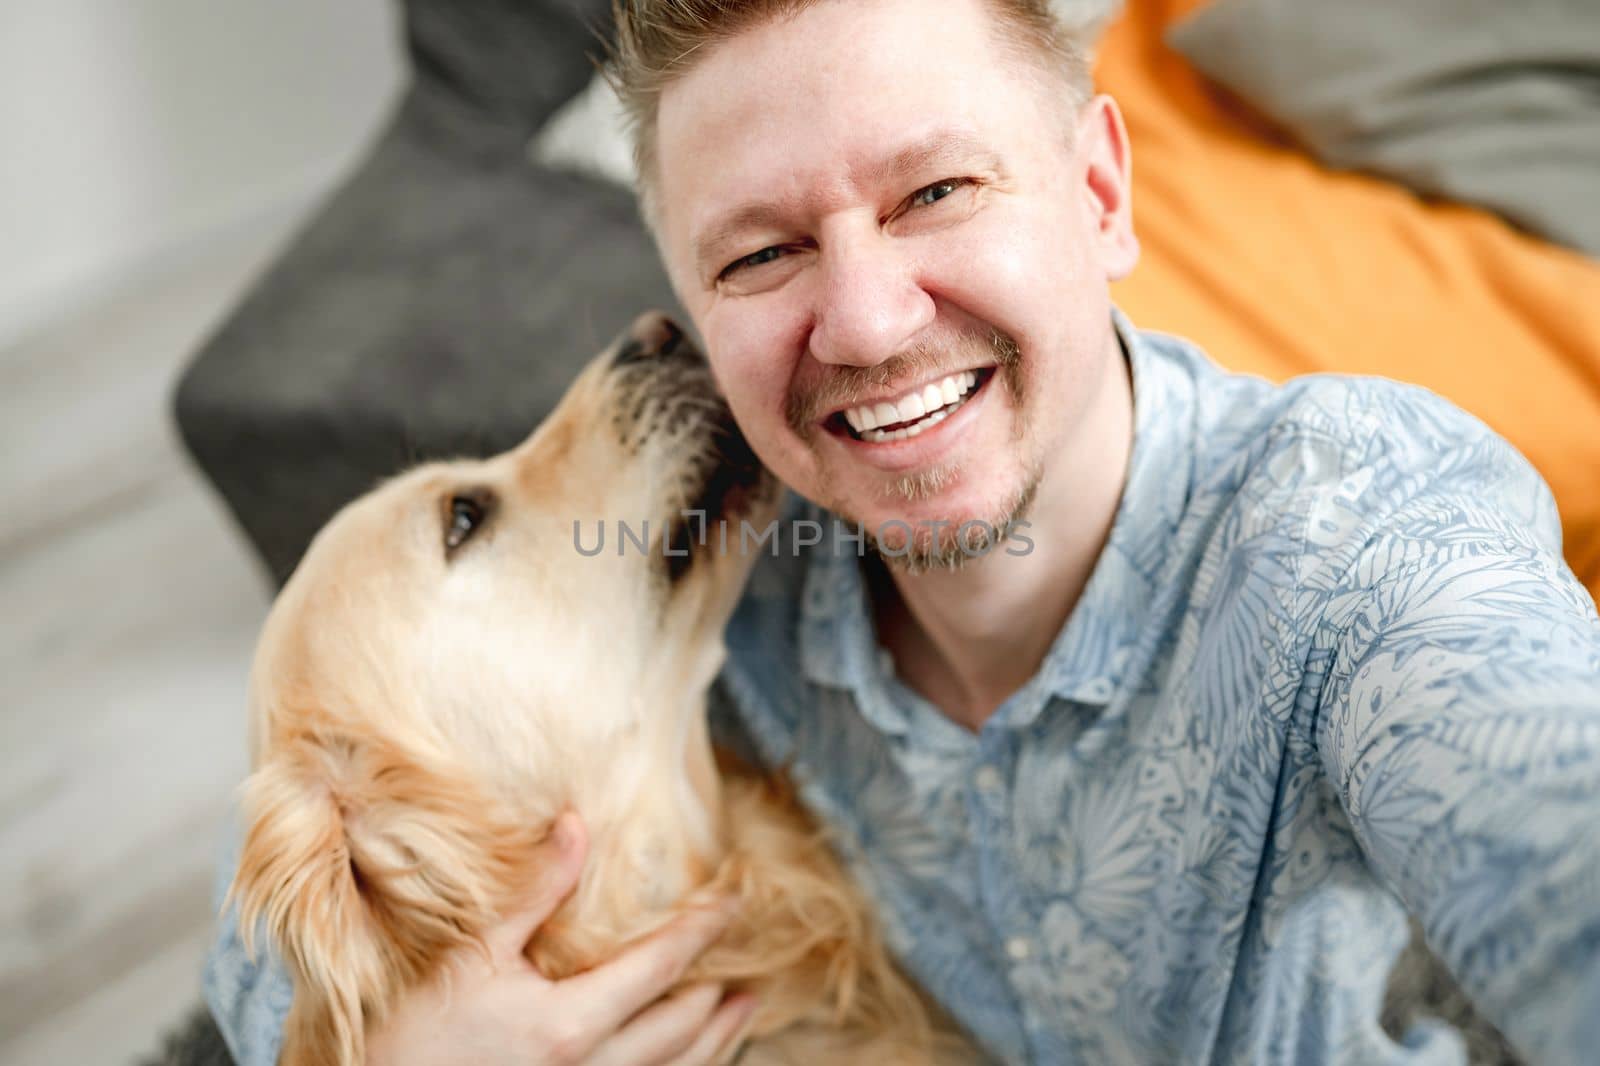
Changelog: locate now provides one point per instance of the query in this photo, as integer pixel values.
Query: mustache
(847, 386)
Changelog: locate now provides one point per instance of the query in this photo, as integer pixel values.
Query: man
(1159, 780)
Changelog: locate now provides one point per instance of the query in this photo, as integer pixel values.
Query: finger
(559, 859)
(663, 1031)
(723, 1034)
(642, 973)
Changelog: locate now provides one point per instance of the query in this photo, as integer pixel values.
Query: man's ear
(1107, 162)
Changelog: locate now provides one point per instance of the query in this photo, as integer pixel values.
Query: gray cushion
(502, 65)
(438, 304)
(1481, 101)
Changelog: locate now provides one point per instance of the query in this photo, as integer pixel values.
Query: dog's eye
(465, 514)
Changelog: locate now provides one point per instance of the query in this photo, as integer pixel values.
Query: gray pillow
(440, 301)
(1482, 101)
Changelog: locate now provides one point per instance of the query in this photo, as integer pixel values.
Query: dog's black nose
(654, 336)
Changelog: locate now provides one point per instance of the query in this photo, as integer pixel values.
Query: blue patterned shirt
(1329, 668)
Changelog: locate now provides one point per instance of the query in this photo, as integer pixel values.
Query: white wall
(132, 131)
(153, 153)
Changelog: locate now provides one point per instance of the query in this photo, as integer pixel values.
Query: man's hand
(500, 1009)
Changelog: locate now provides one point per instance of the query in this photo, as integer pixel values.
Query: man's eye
(931, 194)
(766, 255)
(465, 514)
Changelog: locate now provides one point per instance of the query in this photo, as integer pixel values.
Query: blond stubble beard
(950, 552)
(922, 485)
(925, 554)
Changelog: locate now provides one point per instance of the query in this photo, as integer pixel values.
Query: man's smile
(912, 411)
(896, 438)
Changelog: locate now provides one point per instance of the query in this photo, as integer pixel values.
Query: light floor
(128, 608)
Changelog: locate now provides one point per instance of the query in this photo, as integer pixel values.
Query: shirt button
(1019, 948)
(987, 779)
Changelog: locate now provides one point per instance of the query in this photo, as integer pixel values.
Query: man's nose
(870, 304)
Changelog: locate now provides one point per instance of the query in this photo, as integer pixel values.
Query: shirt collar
(1088, 659)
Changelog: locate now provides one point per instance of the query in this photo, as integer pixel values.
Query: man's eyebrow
(953, 149)
(751, 216)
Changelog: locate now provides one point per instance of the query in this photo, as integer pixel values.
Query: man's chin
(940, 523)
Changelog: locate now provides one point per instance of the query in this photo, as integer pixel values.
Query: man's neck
(967, 639)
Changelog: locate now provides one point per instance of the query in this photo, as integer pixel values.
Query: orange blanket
(1279, 267)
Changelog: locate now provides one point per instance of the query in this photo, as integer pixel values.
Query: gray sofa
(441, 299)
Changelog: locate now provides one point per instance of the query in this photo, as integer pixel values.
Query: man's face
(865, 206)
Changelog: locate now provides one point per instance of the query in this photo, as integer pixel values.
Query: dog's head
(472, 647)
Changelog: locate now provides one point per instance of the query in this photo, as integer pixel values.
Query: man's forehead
(861, 47)
(839, 92)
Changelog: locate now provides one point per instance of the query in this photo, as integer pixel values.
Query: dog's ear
(366, 867)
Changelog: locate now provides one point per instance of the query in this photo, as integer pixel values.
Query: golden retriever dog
(445, 673)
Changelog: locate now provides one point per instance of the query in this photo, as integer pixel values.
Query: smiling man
(1279, 666)
(909, 203)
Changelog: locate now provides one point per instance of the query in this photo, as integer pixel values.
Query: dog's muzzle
(668, 389)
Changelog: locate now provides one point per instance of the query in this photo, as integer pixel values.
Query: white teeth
(932, 420)
(910, 408)
(876, 435)
(924, 407)
(861, 418)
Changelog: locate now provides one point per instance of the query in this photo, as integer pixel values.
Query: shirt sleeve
(1460, 720)
(249, 996)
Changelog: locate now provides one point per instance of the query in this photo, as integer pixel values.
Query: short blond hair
(657, 41)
